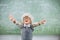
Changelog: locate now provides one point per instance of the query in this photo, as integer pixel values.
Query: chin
(26, 23)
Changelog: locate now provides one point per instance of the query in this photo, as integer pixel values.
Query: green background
(39, 9)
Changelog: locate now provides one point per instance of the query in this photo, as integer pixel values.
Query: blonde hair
(28, 15)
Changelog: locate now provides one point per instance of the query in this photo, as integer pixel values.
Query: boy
(26, 26)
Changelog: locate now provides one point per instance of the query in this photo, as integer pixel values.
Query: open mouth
(26, 21)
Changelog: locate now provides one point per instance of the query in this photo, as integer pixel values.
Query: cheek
(29, 21)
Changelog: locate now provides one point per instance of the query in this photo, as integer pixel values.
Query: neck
(26, 24)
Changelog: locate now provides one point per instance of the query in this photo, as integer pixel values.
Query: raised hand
(12, 18)
(43, 22)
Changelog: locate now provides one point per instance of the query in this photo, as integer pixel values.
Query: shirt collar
(26, 25)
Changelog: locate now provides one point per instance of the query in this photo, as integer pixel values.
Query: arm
(14, 20)
(39, 23)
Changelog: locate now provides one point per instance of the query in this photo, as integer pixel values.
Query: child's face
(26, 20)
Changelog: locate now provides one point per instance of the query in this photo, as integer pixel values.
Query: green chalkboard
(39, 9)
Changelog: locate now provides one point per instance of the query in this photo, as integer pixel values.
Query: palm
(11, 17)
(43, 21)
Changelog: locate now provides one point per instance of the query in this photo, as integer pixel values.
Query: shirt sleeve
(35, 24)
(17, 23)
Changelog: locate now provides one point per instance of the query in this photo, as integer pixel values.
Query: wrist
(13, 20)
(39, 24)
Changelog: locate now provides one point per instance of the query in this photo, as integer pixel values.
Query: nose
(26, 20)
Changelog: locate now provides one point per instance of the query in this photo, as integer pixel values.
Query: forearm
(14, 20)
(36, 24)
(39, 23)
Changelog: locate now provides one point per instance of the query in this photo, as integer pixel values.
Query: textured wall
(40, 9)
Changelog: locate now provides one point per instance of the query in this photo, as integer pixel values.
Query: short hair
(27, 14)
